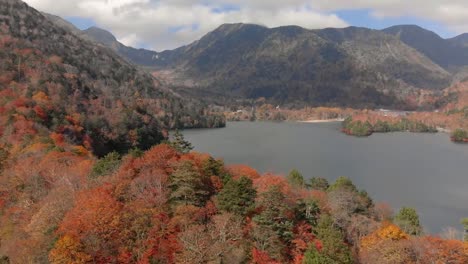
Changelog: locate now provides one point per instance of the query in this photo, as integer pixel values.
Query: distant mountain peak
(442, 51)
(412, 29)
(460, 40)
(101, 35)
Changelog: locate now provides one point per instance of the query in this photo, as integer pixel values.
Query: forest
(61, 204)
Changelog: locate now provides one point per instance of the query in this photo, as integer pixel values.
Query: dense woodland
(93, 76)
(60, 204)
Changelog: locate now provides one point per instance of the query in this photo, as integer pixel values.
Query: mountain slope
(387, 55)
(443, 52)
(351, 66)
(124, 107)
(461, 40)
(137, 56)
(288, 64)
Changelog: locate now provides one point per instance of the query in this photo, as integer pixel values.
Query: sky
(168, 24)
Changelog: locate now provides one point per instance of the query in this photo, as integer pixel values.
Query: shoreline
(322, 120)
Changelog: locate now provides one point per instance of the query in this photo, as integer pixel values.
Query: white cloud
(451, 13)
(164, 24)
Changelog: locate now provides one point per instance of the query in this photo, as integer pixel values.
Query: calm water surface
(425, 171)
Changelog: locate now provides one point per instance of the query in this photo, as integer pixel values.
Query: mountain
(93, 95)
(389, 56)
(285, 64)
(291, 65)
(351, 66)
(448, 53)
(461, 40)
(141, 57)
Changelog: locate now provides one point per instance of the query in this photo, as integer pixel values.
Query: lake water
(425, 171)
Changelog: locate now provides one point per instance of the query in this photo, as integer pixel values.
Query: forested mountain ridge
(448, 53)
(118, 106)
(141, 57)
(308, 67)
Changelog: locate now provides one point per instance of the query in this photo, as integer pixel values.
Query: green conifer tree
(237, 196)
(179, 143)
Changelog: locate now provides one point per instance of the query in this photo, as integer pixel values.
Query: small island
(366, 128)
(459, 136)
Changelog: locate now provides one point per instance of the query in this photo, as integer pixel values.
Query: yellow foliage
(387, 245)
(388, 231)
(80, 150)
(36, 147)
(41, 97)
(68, 250)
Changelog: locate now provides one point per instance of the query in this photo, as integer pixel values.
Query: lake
(424, 171)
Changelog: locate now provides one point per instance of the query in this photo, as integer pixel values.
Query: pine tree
(274, 213)
(317, 183)
(295, 178)
(332, 248)
(237, 197)
(408, 220)
(180, 144)
(187, 186)
(464, 222)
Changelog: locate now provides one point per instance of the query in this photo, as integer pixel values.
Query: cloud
(166, 24)
(451, 13)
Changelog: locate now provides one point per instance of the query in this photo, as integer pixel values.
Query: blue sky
(80, 22)
(363, 18)
(167, 24)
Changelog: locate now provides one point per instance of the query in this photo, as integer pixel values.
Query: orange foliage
(238, 171)
(41, 98)
(264, 183)
(68, 250)
(197, 158)
(58, 139)
(387, 231)
(437, 250)
(389, 244)
(74, 119)
(96, 213)
(64, 166)
(55, 59)
(321, 198)
(160, 156)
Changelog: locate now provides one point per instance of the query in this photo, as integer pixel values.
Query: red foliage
(20, 102)
(23, 127)
(162, 241)
(216, 183)
(40, 112)
(261, 257)
(302, 238)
